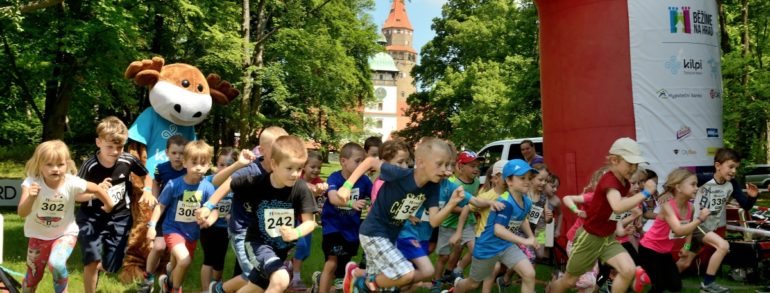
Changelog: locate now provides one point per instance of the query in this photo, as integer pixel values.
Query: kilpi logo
(684, 20)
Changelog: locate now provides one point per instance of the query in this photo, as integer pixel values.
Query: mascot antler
(221, 90)
(145, 72)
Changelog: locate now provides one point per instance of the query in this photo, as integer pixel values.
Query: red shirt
(598, 212)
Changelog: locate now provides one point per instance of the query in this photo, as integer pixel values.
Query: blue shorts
(412, 248)
(265, 261)
(303, 247)
(104, 238)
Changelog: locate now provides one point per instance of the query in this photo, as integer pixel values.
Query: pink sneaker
(640, 279)
(347, 282)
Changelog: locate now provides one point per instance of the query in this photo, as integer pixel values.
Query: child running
(47, 204)
(311, 175)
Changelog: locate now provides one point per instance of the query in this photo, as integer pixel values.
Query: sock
(149, 276)
(371, 282)
(458, 271)
(708, 279)
(296, 277)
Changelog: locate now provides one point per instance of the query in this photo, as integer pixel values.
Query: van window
(490, 155)
(515, 151)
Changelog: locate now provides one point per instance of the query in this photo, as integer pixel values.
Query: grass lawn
(16, 244)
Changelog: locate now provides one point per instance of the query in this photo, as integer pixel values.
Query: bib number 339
(275, 218)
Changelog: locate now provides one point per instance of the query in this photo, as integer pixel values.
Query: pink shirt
(376, 189)
(587, 197)
(660, 238)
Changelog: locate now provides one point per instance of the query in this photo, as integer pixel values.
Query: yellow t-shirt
(482, 220)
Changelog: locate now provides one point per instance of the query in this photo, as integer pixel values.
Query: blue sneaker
(359, 285)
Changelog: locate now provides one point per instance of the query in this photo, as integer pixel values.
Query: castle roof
(397, 17)
(382, 62)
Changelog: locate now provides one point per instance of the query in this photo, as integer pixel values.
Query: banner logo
(683, 132)
(712, 132)
(687, 21)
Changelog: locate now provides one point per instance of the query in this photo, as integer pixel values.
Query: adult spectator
(529, 153)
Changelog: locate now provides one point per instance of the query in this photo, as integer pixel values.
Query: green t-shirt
(473, 189)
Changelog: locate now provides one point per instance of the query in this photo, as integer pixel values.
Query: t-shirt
(398, 198)
(120, 192)
(420, 231)
(538, 159)
(484, 213)
(241, 212)
(224, 205)
(599, 216)
(153, 131)
(512, 216)
(587, 198)
(53, 210)
(181, 200)
(471, 188)
(272, 207)
(164, 172)
(715, 197)
(344, 220)
(446, 188)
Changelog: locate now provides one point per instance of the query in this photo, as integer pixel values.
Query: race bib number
(117, 192)
(514, 226)
(224, 207)
(535, 213)
(276, 218)
(185, 211)
(617, 217)
(671, 234)
(355, 193)
(408, 207)
(52, 209)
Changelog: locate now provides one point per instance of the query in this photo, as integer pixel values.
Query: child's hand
(344, 193)
(650, 186)
(532, 241)
(288, 234)
(580, 213)
(246, 157)
(321, 188)
(752, 190)
(106, 184)
(359, 204)
(201, 214)
(548, 215)
(148, 199)
(704, 214)
(150, 234)
(414, 220)
(455, 238)
(34, 189)
(107, 208)
(458, 195)
(496, 206)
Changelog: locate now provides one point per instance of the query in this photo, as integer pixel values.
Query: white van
(508, 149)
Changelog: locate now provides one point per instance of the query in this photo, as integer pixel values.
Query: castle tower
(399, 33)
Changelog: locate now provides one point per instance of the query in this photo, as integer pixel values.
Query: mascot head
(179, 92)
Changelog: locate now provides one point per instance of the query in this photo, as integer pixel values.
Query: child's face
(373, 152)
(54, 170)
(266, 150)
(223, 162)
(287, 171)
(623, 168)
(469, 170)
(196, 167)
(519, 184)
(551, 187)
(312, 169)
(727, 169)
(175, 155)
(635, 187)
(539, 182)
(350, 164)
(688, 187)
(401, 159)
(108, 151)
(497, 180)
(437, 165)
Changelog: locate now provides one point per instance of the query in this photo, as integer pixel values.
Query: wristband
(148, 189)
(348, 185)
(574, 208)
(350, 203)
(687, 246)
(646, 193)
(151, 224)
(299, 234)
(209, 206)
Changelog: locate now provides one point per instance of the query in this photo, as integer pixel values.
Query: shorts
(303, 247)
(214, 247)
(174, 239)
(103, 239)
(238, 241)
(412, 248)
(382, 256)
(697, 238)
(434, 236)
(483, 268)
(587, 248)
(333, 244)
(265, 261)
(444, 233)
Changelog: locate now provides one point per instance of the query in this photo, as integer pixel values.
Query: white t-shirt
(53, 211)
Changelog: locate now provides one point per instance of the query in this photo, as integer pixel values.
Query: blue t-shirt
(422, 231)
(241, 212)
(398, 198)
(223, 205)
(344, 220)
(181, 200)
(272, 207)
(153, 131)
(164, 172)
(512, 217)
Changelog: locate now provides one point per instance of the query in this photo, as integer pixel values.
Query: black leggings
(605, 269)
(662, 270)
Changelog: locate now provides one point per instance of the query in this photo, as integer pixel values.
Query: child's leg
(444, 250)
(214, 252)
(424, 269)
(327, 275)
(386, 263)
(722, 248)
(279, 282)
(181, 257)
(269, 273)
(153, 258)
(90, 238)
(57, 261)
(469, 239)
(481, 269)
(300, 255)
(37, 258)
(624, 266)
(237, 240)
(586, 249)
(527, 273)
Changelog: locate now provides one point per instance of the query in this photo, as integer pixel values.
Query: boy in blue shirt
(183, 197)
(402, 194)
(342, 218)
(496, 241)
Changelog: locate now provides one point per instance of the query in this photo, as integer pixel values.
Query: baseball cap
(466, 157)
(517, 167)
(628, 149)
(498, 166)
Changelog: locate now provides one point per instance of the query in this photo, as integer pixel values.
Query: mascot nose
(197, 115)
(178, 108)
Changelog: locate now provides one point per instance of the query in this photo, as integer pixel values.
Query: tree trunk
(724, 40)
(59, 91)
(247, 80)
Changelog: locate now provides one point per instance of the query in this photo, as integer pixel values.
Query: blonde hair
(229, 152)
(595, 178)
(429, 145)
(288, 146)
(198, 150)
(111, 129)
(52, 150)
(270, 134)
(676, 177)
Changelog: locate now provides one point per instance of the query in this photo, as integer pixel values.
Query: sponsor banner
(676, 81)
(10, 192)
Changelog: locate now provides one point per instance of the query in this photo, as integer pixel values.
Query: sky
(421, 14)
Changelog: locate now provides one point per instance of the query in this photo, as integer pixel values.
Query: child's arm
(28, 196)
(205, 210)
(101, 194)
(212, 218)
(148, 194)
(289, 234)
(570, 200)
(244, 159)
(620, 204)
(746, 202)
(503, 233)
(155, 188)
(370, 163)
(485, 203)
(156, 212)
(460, 225)
(681, 230)
(437, 216)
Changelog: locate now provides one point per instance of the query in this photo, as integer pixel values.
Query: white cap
(628, 149)
(498, 167)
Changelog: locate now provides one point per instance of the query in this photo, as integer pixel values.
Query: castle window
(378, 123)
(403, 94)
(381, 77)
